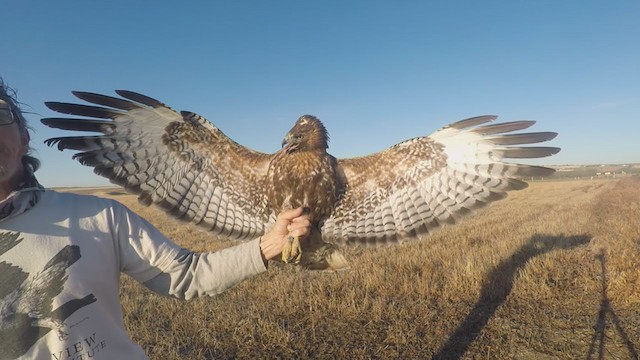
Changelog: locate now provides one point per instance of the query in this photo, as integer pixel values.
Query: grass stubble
(549, 273)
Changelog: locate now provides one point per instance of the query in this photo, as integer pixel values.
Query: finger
(300, 221)
(288, 215)
(300, 233)
(298, 226)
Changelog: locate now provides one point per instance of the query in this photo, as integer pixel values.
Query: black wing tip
(550, 150)
(80, 94)
(77, 124)
(140, 98)
(520, 139)
(54, 105)
(57, 142)
(50, 142)
(46, 121)
(527, 152)
(86, 95)
(546, 135)
(126, 93)
(534, 170)
(550, 135)
(516, 184)
(484, 118)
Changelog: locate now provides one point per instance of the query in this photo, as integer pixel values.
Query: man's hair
(9, 96)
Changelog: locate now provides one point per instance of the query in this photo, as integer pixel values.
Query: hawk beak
(288, 144)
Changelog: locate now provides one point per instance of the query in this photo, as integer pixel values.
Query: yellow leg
(292, 252)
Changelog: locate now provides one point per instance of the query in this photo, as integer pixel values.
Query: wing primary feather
(510, 170)
(530, 170)
(515, 184)
(83, 110)
(91, 125)
(529, 138)
(142, 99)
(504, 127)
(526, 152)
(105, 100)
(474, 121)
(72, 142)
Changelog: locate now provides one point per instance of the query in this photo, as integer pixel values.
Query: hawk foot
(292, 252)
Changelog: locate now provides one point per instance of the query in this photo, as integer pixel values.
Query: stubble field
(549, 273)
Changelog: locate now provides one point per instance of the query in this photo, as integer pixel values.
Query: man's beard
(4, 169)
(7, 170)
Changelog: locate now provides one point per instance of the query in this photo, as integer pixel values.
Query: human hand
(288, 223)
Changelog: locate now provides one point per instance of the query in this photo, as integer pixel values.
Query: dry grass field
(549, 273)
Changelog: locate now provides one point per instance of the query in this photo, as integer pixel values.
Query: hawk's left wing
(414, 187)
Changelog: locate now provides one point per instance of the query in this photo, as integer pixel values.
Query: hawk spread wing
(415, 186)
(178, 161)
(187, 166)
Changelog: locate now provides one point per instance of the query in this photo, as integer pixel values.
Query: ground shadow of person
(498, 286)
(601, 324)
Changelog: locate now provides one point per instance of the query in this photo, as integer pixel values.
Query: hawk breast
(304, 179)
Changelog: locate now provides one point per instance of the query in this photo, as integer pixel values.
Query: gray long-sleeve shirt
(60, 264)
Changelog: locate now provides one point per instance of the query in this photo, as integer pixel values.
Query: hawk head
(307, 134)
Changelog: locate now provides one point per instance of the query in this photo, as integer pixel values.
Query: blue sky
(375, 72)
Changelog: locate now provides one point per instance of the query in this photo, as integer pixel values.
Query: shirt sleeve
(167, 269)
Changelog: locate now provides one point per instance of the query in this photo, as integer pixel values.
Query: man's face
(13, 146)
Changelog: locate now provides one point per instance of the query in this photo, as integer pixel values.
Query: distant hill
(594, 171)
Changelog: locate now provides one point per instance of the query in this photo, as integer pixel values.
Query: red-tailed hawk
(188, 167)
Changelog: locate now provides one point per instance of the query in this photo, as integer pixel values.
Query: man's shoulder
(80, 199)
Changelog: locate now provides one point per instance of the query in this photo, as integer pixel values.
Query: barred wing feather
(178, 161)
(418, 185)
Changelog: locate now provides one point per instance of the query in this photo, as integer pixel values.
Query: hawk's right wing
(178, 161)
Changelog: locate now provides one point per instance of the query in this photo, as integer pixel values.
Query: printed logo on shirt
(26, 313)
(81, 350)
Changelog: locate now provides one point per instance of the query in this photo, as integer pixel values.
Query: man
(61, 256)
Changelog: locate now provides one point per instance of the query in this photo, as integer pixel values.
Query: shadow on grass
(497, 287)
(601, 324)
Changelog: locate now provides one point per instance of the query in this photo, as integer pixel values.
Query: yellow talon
(292, 252)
